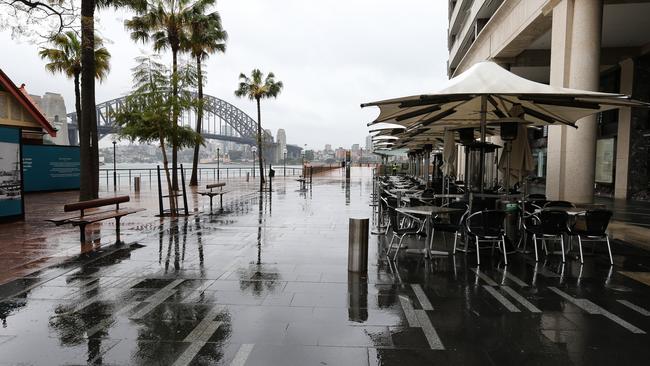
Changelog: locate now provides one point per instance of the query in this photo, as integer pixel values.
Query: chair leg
(535, 244)
(580, 247)
(399, 246)
(390, 245)
(505, 255)
(609, 250)
(478, 254)
(562, 248)
(455, 241)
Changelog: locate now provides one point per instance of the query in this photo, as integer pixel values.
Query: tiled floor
(266, 283)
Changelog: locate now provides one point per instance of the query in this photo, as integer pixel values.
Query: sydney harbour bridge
(221, 121)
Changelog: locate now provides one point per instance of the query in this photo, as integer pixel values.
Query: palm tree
(257, 87)
(65, 57)
(165, 23)
(206, 36)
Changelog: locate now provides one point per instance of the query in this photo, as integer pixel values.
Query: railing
(124, 176)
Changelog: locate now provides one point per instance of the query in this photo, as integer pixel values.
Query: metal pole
(114, 170)
(483, 133)
(217, 164)
(285, 164)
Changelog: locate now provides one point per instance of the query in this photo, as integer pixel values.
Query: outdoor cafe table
(429, 212)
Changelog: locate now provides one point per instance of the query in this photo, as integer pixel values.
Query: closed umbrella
(449, 154)
(520, 158)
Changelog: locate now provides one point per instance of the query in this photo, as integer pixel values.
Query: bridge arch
(240, 127)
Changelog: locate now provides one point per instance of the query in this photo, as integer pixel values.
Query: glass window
(605, 161)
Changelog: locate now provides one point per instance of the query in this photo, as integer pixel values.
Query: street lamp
(285, 161)
(217, 164)
(114, 169)
(254, 150)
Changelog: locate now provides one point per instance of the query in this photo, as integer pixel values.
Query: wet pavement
(266, 283)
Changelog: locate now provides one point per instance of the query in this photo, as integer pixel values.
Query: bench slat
(88, 219)
(215, 185)
(215, 193)
(99, 202)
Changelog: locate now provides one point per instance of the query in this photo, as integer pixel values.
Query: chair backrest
(484, 204)
(596, 221)
(553, 222)
(485, 222)
(427, 193)
(456, 217)
(536, 197)
(528, 208)
(566, 204)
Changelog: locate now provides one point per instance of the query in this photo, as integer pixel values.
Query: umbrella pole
(483, 134)
(507, 176)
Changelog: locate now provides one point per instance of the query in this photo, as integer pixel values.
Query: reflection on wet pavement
(266, 283)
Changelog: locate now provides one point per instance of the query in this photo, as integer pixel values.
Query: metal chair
(399, 231)
(527, 217)
(454, 224)
(487, 226)
(594, 229)
(552, 226)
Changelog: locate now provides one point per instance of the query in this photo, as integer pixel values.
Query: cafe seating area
(505, 223)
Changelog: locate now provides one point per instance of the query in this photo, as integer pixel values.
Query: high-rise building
(281, 140)
(582, 44)
(369, 143)
(52, 106)
(328, 147)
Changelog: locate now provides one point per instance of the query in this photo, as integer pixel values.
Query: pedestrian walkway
(266, 283)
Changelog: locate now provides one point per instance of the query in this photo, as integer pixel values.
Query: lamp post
(285, 161)
(254, 150)
(217, 164)
(302, 154)
(114, 169)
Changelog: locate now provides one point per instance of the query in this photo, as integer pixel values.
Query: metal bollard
(136, 184)
(247, 176)
(358, 246)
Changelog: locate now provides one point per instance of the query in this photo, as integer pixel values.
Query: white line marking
(592, 308)
(429, 330)
(153, 302)
(505, 302)
(409, 312)
(484, 277)
(515, 279)
(193, 349)
(242, 355)
(422, 297)
(522, 300)
(634, 307)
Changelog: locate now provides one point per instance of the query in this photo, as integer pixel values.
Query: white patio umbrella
(485, 94)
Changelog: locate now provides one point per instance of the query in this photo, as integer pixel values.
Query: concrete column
(623, 139)
(560, 56)
(584, 74)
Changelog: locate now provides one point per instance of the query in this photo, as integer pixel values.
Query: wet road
(266, 283)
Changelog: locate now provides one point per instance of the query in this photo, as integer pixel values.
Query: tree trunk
(88, 116)
(77, 102)
(199, 122)
(172, 199)
(174, 119)
(259, 144)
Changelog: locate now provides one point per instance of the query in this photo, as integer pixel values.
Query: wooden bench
(211, 193)
(85, 218)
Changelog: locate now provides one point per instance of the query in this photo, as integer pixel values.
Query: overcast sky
(330, 55)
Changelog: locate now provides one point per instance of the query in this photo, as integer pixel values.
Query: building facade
(601, 45)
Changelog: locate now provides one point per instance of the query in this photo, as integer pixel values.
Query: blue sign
(11, 198)
(50, 168)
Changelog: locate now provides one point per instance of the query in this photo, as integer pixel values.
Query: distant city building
(328, 148)
(52, 106)
(369, 143)
(355, 147)
(339, 154)
(281, 140)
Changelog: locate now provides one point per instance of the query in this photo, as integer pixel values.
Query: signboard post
(11, 179)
